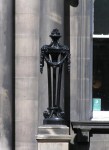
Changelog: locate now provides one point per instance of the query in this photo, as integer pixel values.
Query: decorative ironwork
(74, 3)
(55, 55)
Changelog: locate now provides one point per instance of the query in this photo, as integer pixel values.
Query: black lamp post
(55, 56)
(74, 2)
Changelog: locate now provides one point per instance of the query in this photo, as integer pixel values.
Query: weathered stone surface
(53, 146)
(53, 130)
(6, 99)
(53, 137)
(26, 73)
(81, 61)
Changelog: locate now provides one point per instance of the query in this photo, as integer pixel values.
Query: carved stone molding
(84, 130)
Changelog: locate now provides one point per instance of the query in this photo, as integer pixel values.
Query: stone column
(81, 61)
(6, 60)
(26, 73)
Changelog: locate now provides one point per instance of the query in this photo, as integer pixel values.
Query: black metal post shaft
(55, 56)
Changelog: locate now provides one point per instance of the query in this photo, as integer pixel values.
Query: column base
(53, 137)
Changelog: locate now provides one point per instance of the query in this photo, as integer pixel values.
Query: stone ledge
(53, 129)
(49, 133)
(90, 125)
(53, 138)
(85, 129)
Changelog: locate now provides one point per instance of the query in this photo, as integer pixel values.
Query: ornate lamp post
(55, 55)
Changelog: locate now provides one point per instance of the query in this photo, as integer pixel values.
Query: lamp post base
(55, 121)
(53, 137)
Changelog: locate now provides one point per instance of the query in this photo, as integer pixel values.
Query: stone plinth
(53, 137)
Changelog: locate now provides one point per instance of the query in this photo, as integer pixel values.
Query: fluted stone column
(81, 61)
(6, 60)
(26, 73)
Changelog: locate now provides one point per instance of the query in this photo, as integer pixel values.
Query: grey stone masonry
(81, 61)
(53, 137)
(26, 73)
(6, 61)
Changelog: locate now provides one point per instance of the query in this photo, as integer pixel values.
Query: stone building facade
(25, 25)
